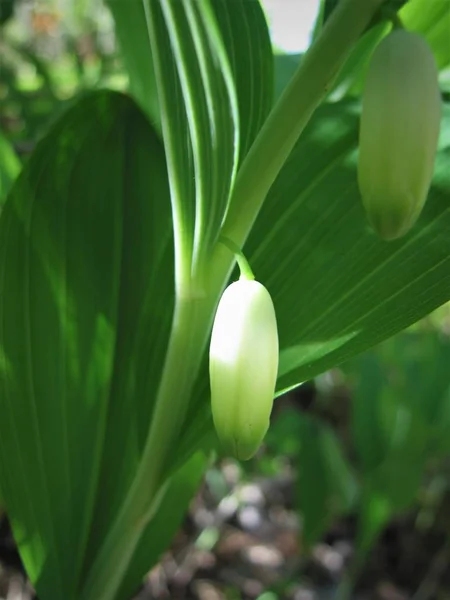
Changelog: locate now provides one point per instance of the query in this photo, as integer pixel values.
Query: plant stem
(193, 315)
(394, 18)
(244, 267)
(290, 115)
(348, 582)
(190, 329)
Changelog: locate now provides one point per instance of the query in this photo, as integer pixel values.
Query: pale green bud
(401, 111)
(243, 366)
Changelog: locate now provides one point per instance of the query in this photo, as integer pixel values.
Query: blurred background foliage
(367, 445)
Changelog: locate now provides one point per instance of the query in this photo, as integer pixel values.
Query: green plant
(111, 271)
(399, 415)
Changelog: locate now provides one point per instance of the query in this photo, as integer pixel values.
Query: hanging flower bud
(243, 366)
(399, 131)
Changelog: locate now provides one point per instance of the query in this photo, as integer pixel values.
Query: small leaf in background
(395, 405)
(389, 5)
(9, 167)
(6, 10)
(326, 487)
(132, 34)
(389, 432)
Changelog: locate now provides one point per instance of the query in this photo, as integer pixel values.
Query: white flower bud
(243, 366)
(399, 131)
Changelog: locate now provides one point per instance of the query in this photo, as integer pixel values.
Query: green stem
(290, 115)
(189, 334)
(244, 267)
(194, 315)
(350, 578)
(394, 18)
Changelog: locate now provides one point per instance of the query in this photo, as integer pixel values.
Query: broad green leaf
(211, 64)
(199, 122)
(87, 287)
(247, 41)
(9, 166)
(339, 290)
(336, 287)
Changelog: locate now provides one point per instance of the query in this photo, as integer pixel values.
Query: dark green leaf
(87, 287)
(132, 34)
(6, 10)
(326, 487)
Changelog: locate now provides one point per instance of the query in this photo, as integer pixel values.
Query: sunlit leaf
(337, 288)
(203, 55)
(9, 166)
(432, 20)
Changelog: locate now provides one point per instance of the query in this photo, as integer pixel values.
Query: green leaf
(336, 287)
(432, 20)
(285, 67)
(199, 106)
(403, 379)
(248, 45)
(9, 167)
(6, 10)
(86, 281)
(393, 5)
(163, 527)
(132, 34)
(390, 432)
(350, 80)
(211, 64)
(326, 487)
